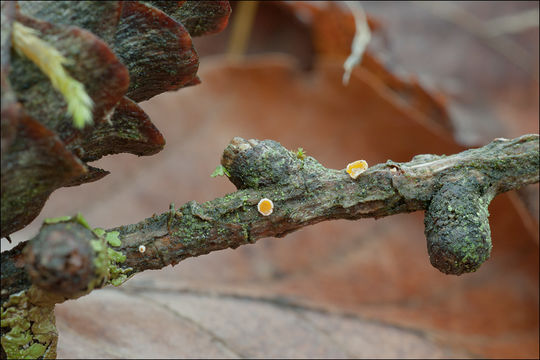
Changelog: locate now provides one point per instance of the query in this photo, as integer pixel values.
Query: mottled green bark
(455, 190)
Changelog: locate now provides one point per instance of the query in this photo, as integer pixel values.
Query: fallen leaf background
(430, 83)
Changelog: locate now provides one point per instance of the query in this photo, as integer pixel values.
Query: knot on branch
(255, 164)
(60, 259)
(457, 226)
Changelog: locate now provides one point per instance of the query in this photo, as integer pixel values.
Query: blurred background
(436, 77)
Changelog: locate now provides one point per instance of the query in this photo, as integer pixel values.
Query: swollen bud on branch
(457, 226)
(59, 259)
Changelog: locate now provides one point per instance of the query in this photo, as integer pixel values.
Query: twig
(304, 193)
(241, 29)
(68, 259)
(513, 23)
(360, 41)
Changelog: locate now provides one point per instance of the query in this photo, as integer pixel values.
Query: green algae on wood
(457, 227)
(30, 329)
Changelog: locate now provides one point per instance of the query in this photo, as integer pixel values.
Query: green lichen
(75, 218)
(99, 232)
(32, 332)
(457, 227)
(195, 224)
(245, 233)
(220, 171)
(300, 154)
(101, 263)
(56, 220)
(112, 238)
(81, 220)
(117, 274)
(172, 216)
(107, 260)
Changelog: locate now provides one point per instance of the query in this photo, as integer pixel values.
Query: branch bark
(68, 259)
(454, 190)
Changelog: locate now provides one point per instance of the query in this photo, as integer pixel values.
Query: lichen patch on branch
(303, 192)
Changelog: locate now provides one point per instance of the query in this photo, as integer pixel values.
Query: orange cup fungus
(265, 206)
(357, 167)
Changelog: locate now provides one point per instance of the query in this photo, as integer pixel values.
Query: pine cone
(123, 53)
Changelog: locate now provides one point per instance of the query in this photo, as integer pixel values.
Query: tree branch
(454, 190)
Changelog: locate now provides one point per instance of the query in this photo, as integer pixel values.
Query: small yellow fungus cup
(265, 206)
(357, 167)
(142, 249)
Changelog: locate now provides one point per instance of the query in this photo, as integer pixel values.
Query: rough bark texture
(68, 259)
(455, 190)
